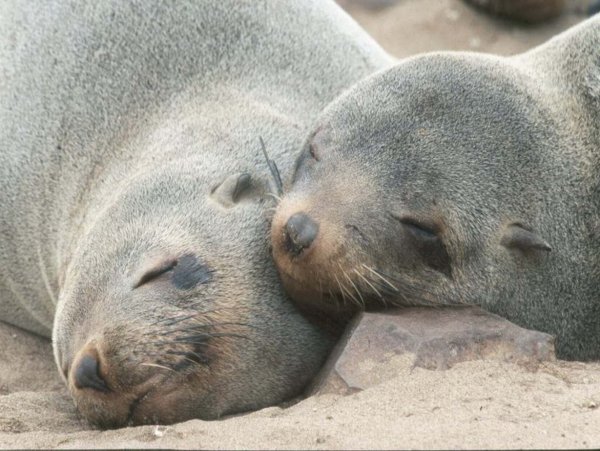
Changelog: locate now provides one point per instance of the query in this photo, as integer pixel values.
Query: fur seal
(133, 194)
(535, 11)
(457, 177)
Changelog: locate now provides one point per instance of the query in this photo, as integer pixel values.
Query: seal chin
(116, 408)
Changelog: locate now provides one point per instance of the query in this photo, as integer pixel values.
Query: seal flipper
(515, 236)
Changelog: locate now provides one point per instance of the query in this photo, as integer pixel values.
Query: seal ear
(573, 58)
(232, 189)
(515, 236)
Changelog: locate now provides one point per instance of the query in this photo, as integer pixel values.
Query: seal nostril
(300, 232)
(87, 374)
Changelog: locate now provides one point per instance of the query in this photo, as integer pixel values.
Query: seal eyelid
(155, 272)
(417, 227)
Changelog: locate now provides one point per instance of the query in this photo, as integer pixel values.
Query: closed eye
(427, 242)
(156, 272)
(313, 151)
(418, 228)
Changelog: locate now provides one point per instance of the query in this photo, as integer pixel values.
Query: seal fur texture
(457, 178)
(133, 194)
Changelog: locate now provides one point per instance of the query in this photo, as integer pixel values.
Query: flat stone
(367, 4)
(375, 344)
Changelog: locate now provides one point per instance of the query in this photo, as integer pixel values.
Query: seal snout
(108, 392)
(300, 232)
(86, 373)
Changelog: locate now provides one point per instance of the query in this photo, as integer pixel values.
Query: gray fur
(461, 178)
(119, 121)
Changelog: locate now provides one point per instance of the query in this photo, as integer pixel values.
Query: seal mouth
(352, 289)
(138, 404)
(149, 393)
(169, 400)
(134, 406)
(315, 295)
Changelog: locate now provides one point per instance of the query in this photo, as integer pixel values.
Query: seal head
(454, 178)
(160, 320)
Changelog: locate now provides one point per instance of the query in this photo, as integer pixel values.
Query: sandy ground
(408, 27)
(474, 405)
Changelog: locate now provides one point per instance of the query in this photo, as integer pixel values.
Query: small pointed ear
(231, 190)
(515, 236)
(571, 60)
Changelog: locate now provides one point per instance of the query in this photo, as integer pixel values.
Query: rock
(432, 338)
(531, 11)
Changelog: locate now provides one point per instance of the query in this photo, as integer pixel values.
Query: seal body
(133, 194)
(457, 178)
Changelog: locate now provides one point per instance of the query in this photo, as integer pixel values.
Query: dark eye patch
(427, 243)
(190, 272)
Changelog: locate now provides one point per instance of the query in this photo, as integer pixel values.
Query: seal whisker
(402, 292)
(335, 299)
(346, 291)
(276, 197)
(406, 283)
(198, 327)
(157, 366)
(385, 289)
(341, 291)
(369, 283)
(172, 321)
(44, 274)
(272, 168)
(207, 336)
(196, 360)
(362, 301)
(220, 309)
(380, 276)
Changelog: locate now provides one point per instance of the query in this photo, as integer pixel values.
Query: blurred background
(505, 27)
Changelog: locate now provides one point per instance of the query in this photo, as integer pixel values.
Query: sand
(480, 404)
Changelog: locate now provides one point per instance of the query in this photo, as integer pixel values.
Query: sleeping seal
(133, 194)
(457, 178)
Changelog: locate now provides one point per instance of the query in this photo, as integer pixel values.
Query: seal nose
(300, 232)
(87, 373)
